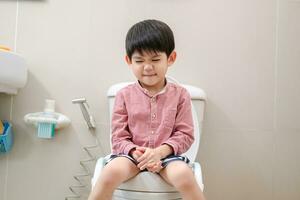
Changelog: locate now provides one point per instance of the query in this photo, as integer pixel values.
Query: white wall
(244, 54)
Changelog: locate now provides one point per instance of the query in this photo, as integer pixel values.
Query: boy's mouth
(149, 75)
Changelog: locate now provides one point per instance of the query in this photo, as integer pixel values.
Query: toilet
(147, 185)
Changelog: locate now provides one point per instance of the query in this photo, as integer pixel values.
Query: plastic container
(47, 121)
(6, 139)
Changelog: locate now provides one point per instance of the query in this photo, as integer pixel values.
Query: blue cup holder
(6, 139)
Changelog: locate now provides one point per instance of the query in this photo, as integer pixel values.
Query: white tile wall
(237, 164)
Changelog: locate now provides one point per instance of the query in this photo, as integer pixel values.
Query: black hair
(150, 36)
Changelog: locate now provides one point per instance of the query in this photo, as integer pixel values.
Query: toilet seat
(134, 195)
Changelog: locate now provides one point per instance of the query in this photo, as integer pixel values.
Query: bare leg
(180, 175)
(113, 174)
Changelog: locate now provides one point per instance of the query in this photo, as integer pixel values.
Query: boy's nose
(148, 67)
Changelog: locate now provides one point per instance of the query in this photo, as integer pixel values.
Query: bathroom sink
(13, 72)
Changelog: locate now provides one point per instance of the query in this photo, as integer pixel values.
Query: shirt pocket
(169, 118)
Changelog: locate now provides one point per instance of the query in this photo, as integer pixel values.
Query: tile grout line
(276, 67)
(16, 27)
(275, 125)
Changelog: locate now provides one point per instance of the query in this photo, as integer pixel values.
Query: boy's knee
(111, 176)
(184, 183)
(182, 177)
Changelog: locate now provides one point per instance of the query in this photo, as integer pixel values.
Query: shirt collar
(145, 91)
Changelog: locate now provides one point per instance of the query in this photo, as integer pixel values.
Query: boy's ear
(128, 60)
(172, 58)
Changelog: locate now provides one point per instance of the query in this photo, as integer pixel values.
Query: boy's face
(150, 68)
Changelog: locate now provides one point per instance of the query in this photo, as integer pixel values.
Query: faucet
(85, 112)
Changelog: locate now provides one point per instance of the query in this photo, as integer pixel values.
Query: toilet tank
(198, 98)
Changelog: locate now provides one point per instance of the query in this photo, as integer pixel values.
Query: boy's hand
(154, 167)
(135, 154)
(150, 159)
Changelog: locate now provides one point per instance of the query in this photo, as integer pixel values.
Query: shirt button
(153, 99)
(153, 116)
(152, 132)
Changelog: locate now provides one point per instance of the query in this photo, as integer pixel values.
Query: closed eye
(156, 60)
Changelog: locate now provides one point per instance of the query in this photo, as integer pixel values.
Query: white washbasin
(13, 72)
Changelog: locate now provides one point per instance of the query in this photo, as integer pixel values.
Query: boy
(152, 120)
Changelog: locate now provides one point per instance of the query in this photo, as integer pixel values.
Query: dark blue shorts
(164, 163)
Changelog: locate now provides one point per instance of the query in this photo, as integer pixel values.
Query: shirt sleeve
(120, 136)
(183, 133)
